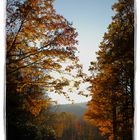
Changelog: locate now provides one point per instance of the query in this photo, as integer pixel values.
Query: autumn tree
(38, 41)
(39, 44)
(68, 126)
(112, 80)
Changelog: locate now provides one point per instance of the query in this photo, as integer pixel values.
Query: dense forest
(41, 58)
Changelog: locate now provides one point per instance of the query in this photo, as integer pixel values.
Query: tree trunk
(114, 116)
(114, 123)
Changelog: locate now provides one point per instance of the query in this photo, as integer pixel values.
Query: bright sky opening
(91, 19)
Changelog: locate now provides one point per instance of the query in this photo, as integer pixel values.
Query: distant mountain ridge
(78, 108)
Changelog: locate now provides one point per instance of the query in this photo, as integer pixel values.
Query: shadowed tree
(39, 43)
(112, 80)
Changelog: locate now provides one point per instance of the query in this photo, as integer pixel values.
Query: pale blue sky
(91, 19)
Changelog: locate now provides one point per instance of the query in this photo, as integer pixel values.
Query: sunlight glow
(90, 25)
